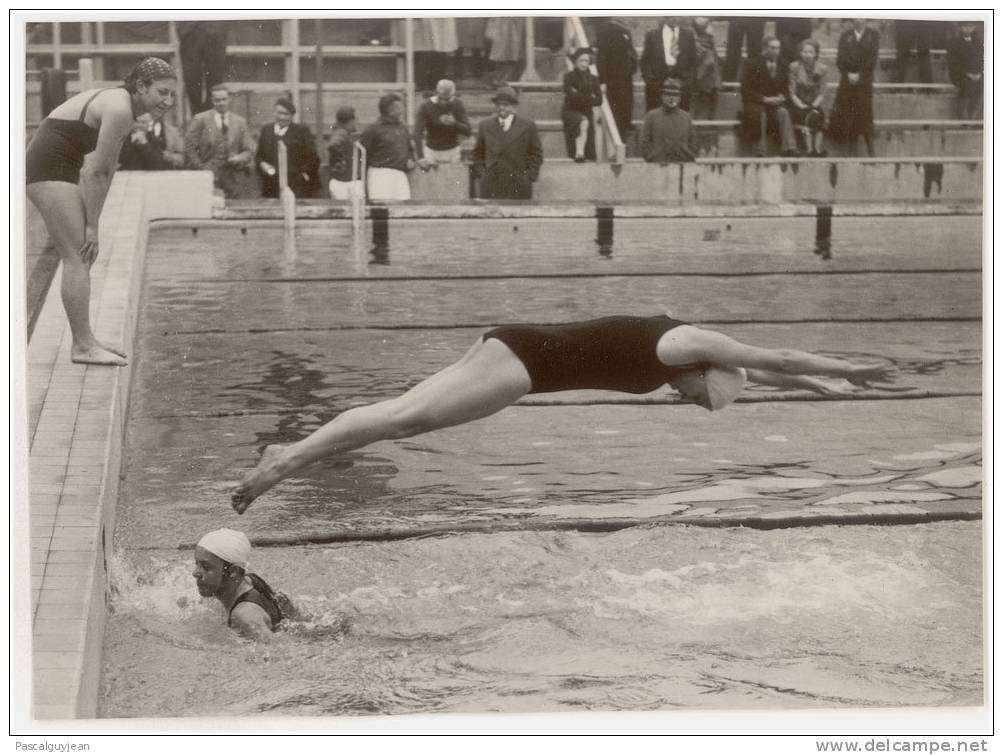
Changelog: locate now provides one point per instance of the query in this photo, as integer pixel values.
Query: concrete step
(893, 138)
(891, 101)
(735, 181)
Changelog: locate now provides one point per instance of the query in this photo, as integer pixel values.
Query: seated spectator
(807, 92)
(581, 94)
(340, 156)
(667, 134)
(707, 79)
(764, 98)
(439, 125)
(303, 164)
(965, 60)
(389, 152)
(152, 145)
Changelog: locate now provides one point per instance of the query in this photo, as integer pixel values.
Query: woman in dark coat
(853, 112)
(581, 94)
(304, 164)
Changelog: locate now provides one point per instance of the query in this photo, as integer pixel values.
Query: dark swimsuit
(58, 148)
(610, 353)
(261, 595)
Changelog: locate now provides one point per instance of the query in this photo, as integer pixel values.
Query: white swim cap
(230, 545)
(724, 384)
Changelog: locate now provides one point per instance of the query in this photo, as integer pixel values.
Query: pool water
(242, 344)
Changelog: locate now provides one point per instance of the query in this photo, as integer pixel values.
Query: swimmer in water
(252, 607)
(626, 354)
(70, 195)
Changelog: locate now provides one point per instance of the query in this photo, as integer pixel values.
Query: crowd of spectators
(783, 102)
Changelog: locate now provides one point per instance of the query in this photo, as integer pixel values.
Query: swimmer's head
(153, 84)
(713, 387)
(220, 557)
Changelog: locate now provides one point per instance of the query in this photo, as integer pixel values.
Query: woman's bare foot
(113, 350)
(258, 480)
(97, 354)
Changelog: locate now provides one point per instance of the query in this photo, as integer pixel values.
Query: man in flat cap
(508, 153)
(667, 135)
(252, 607)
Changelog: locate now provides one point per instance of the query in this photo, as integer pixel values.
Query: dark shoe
(579, 159)
(820, 153)
(760, 152)
(790, 153)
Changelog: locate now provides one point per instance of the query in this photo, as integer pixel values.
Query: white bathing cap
(230, 545)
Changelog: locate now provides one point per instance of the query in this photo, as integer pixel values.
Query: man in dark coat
(303, 168)
(965, 61)
(508, 153)
(616, 62)
(670, 51)
(853, 111)
(764, 96)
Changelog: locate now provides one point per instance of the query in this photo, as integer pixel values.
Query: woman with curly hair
(70, 195)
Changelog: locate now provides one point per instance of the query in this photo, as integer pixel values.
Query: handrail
(606, 125)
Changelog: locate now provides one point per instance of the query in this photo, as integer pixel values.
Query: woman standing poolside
(70, 196)
(620, 353)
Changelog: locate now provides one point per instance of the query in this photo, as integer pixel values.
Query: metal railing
(609, 143)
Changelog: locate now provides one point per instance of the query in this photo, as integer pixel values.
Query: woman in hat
(304, 164)
(807, 93)
(70, 196)
(620, 353)
(581, 94)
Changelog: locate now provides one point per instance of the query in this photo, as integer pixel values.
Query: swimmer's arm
(798, 383)
(688, 344)
(99, 168)
(251, 620)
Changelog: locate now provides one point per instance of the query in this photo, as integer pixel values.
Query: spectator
(303, 168)
(667, 134)
(853, 111)
(470, 39)
(616, 62)
(764, 96)
(440, 123)
(152, 145)
(218, 140)
(506, 47)
(202, 45)
(669, 52)
(965, 61)
(913, 34)
(749, 28)
(508, 153)
(581, 94)
(340, 158)
(807, 92)
(791, 32)
(389, 152)
(434, 41)
(707, 79)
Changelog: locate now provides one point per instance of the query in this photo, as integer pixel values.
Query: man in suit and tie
(508, 153)
(616, 62)
(303, 166)
(218, 140)
(670, 51)
(764, 98)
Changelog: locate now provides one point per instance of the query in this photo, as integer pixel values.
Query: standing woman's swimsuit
(610, 353)
(58, 148)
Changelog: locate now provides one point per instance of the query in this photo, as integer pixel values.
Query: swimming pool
(242, 345)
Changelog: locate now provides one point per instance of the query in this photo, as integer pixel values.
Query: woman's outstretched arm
(688, 344)
(800, 382)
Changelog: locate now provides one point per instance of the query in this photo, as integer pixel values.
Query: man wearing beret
(667, 134)
(303, 168)
(252, 607)
(508, 153)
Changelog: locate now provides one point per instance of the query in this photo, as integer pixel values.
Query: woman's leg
(581, 138)
(486, 380)
(62, 207)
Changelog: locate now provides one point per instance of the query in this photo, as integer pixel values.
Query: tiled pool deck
(76, 417)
